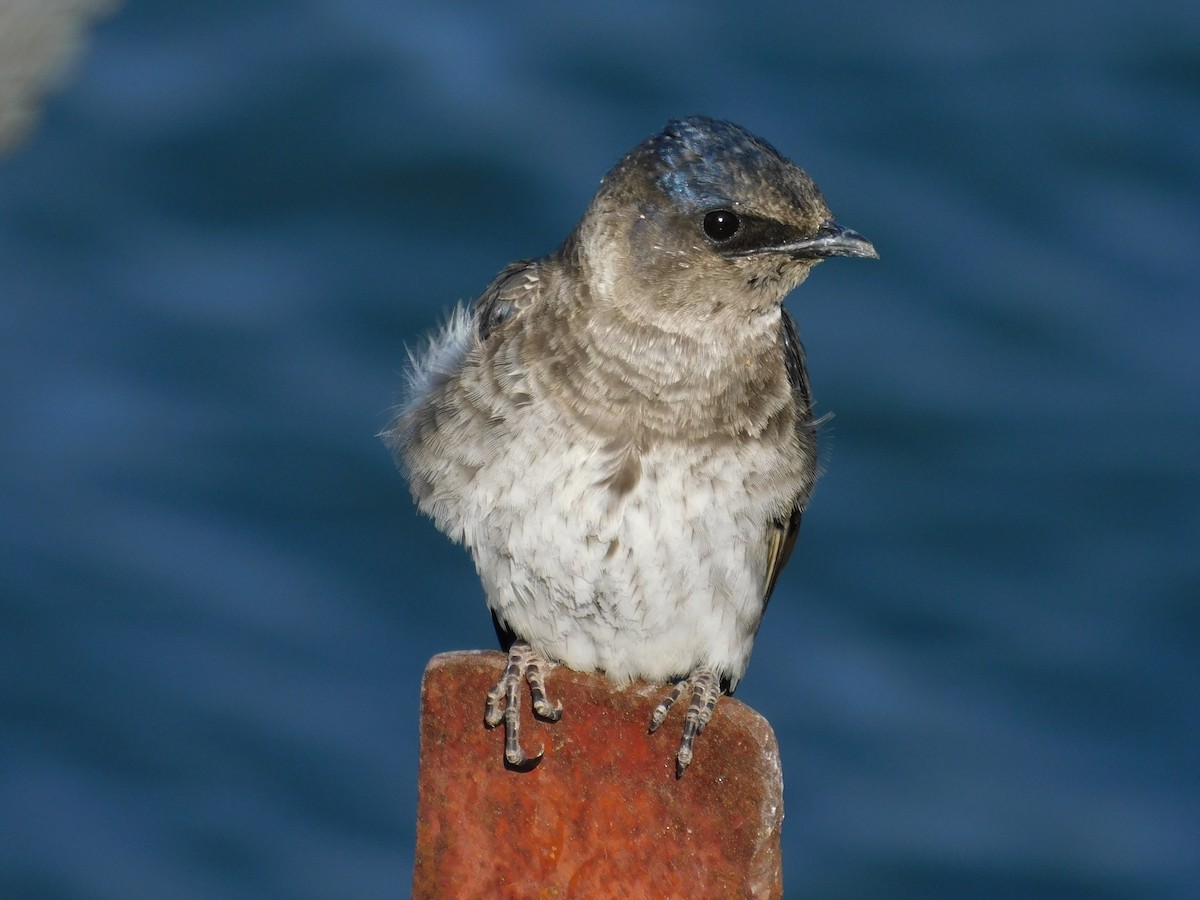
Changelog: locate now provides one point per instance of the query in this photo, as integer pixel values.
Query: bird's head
(704, 217)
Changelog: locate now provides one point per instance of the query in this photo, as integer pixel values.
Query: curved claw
(515, 758)
(504, 705)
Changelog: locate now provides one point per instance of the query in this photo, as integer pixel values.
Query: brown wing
(781, 535)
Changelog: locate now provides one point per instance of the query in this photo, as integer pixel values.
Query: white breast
(646, 584)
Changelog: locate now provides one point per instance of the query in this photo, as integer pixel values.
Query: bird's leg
(504, 703)
(705, 686)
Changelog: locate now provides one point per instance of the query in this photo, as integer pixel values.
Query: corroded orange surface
(602, 814)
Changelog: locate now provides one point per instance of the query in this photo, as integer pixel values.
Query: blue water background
(216, 600)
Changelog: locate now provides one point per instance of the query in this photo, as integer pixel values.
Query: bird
(621, 432)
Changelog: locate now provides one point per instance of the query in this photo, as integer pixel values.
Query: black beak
(831, 239)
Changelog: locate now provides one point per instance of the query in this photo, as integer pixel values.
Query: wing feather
(782, 532)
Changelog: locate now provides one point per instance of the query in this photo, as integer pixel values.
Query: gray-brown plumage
(621, 432)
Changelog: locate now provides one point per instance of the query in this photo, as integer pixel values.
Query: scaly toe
(504, 703)
(705, 687)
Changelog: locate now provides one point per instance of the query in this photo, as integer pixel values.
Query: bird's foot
(705, 686)
(504, 704)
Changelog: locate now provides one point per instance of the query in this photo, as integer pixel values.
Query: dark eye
(721, 224)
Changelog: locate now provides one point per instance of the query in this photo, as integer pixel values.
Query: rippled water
(217, 600)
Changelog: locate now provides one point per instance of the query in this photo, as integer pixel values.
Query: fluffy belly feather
(646, 582)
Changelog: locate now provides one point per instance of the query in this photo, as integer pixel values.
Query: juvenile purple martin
(621, 432)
